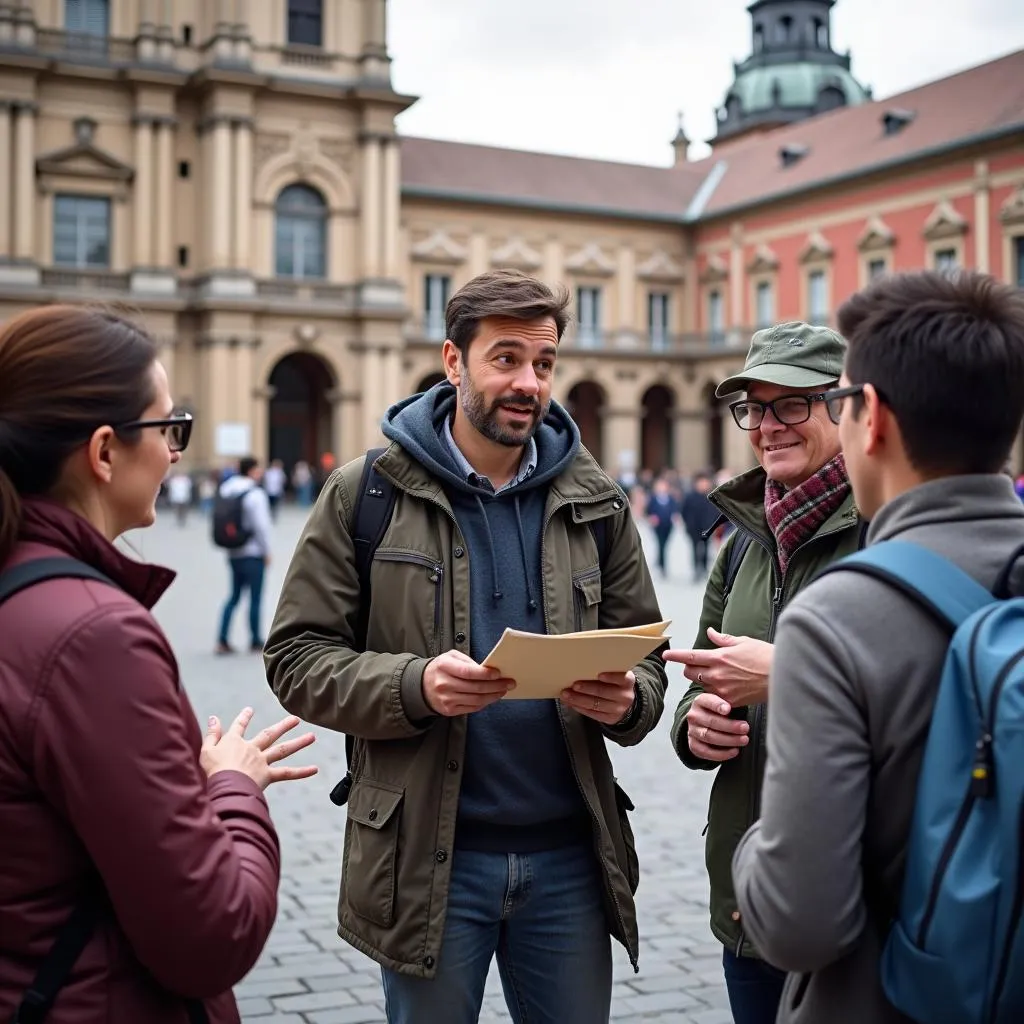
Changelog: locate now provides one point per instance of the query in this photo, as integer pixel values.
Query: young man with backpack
(242, 526)
(886, 872)
(477, 827)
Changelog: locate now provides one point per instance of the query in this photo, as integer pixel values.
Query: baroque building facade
(230, 169)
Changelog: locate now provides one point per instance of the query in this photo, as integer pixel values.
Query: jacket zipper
(1018, 906)
(436, 577)
(595, 821)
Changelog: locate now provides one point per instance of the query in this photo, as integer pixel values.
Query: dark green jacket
(752, 608)
(407, 764)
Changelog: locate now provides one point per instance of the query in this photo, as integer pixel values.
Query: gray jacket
(853, 684)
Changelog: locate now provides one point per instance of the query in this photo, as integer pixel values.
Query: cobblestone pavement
(307, 975)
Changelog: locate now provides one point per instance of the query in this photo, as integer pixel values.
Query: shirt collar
(527, 464)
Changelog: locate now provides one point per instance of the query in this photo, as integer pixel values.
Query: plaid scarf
(796, 514)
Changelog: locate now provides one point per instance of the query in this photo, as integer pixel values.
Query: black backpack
(375, 502)
(228, 527)
(53, 972)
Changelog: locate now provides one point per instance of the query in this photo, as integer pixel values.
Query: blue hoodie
(518, 792)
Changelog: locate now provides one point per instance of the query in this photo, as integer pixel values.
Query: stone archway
(427, 382)
(585, 403)
(299, 417)
(657, 451)
(714, 418)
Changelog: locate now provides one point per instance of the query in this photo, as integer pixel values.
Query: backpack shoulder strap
(599, 528)
(737, 550)
(375, 501)
(27, 574)
(934, 582)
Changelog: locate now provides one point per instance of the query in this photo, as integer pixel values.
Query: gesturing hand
(736, 669)
(711, 734)
(257, 758)
(606, 699)
(454, 684)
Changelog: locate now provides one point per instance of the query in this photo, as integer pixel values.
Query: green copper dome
(796, 85)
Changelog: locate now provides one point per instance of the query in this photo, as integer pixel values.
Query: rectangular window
(87, 17)
(716, 318)
(945, 260)
(436, 291)
(81, 231)
(1018, 251)
(588, 313)
(658, 320)
(305, 22)
(876, 268)
(817, 297)
(765, 304)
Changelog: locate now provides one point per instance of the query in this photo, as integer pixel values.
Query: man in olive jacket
(478, 826)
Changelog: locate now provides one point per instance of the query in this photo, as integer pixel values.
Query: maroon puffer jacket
(99, 773)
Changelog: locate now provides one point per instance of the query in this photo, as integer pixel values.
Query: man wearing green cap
(793, 515)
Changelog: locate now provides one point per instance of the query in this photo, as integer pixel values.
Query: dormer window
(782, 29)
(792, 152)
(896, 119)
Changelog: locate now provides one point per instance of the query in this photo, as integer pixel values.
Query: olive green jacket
(752, 608)
(407, 764)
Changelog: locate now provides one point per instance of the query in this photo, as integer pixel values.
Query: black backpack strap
(737, 550)
(27, 574)
(599, 528)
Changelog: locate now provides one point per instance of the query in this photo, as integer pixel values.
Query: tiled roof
(976, 103)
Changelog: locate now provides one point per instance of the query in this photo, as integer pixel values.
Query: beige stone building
(231, 170)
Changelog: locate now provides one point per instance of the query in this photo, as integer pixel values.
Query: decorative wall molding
(764, 261)
(439, 247)
(817, 249)
(83, 159)
(518, 254)
(1012, 211)
(590, 259)
(944, 222)
(716, 271)
(876, 236)
(660, 266)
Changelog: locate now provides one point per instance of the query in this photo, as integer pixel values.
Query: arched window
(300, 232)
(758, 39)
(782, 29)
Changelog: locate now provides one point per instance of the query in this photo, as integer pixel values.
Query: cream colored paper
(544, 666)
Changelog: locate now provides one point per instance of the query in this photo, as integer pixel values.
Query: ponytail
(10, 516)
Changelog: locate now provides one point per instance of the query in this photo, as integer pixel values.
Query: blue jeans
(246, 574)
(543, 915)
(755, 988)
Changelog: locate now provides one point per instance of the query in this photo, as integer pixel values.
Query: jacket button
(616, 504)
(453, 766)
(441, 856)
(372, 816)
(460, 638)
(428, 961)
(577, 512)
(459, 551)
(735, 915)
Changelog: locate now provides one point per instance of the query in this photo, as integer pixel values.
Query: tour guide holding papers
(478, 825)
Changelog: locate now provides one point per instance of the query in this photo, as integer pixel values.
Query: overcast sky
(606, 78)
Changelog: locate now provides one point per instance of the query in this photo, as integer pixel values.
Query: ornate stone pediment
(660, 267)
(717, 270)
(438, 247)
(590, 260)
(876, 235)
(517, 254)
(84, 159)
(764, 261)
(944, 222)
(1013, 209)
(816, 249)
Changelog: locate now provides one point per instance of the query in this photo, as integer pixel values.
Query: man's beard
(485, 419)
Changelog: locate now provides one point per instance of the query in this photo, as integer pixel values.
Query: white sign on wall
(233, 440)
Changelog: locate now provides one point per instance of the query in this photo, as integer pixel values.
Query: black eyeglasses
(834, 400)
(788, 410)
(177, 429)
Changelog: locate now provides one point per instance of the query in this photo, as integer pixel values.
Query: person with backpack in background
(699, 517)
(793, 515)
(476, 826)
(865, 840)
(242, 525)
(139, 866)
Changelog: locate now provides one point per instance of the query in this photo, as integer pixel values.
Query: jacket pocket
(371, 860)
(624, 806)
(586, 597)
(414, 587)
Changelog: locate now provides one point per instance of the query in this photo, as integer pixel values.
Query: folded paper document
(543, 666)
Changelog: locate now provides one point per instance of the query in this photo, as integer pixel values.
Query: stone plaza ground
(307, 975)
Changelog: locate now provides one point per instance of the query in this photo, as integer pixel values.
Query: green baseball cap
(791, 354)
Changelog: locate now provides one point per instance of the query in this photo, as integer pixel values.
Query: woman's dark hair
(64, 371)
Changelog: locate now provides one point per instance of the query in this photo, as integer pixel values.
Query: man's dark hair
(502, 293)
(246, 465)
(946, 354)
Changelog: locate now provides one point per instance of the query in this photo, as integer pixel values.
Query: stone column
(737, 279)
(163, 255)
(220, 200)
(244, 403)
(479, 258)
(25, 182)
(243, 195)
(142, 199)
(242, 32)
(982, 214)
(690, 440)
(372, 396)
(370, 212)
(620, 432)
(553, 263)
(392, 195)
(6, 174)
(392, 390)
(374, 56)
(626, 281)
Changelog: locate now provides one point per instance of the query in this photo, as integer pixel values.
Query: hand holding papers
(544, 666)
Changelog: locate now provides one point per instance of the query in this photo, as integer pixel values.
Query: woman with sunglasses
(139, 866)
(793, 515)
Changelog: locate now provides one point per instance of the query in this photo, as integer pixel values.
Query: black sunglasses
(178, 429)
(790, 410)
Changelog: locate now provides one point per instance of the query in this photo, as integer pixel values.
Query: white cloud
(605, 78)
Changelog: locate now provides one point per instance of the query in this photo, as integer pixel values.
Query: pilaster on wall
(982, 208)
(152, 255)
(379, 223)
(374, 60)
(18, 217)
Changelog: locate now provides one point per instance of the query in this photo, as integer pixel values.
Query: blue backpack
(955, 952)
